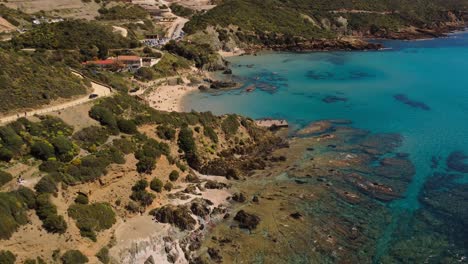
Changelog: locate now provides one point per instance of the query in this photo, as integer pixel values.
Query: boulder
(247, 220)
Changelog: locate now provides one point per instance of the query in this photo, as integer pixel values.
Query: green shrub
(211, 134)
(91, 218)
(104, 116)
(46, 184)
(144, 74)
(55, 224)
(5, 154)
(5, 177)
(230, 125)
(52, 166)
(91, 137)
(166, 132)
(103, 255)
(64, 148)
(26, 196)
(42, 150)
(74, 257)
(156, 185)
(10, 140)
(140, 194)
(146, 165)
(47, 212)
(186, 141)
(182, 11)
(81, 199)
(174, 175)
(127, 126)
(6, 257)
(12, 214)
(124, 145)
(168, 186)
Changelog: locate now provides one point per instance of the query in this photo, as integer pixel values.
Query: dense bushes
(230, 125)
(6, 257)
(91, 137)
(65, 150)
(73, 34)
(201, 54)
(12, 214)
(104, 116)
(5, 177)
(74, 257)
(187, 144)
(47, 212)
(103, 255)
(39, 82)
(174, 175)
(156, 185)
(92, 218)
(182, 11)
(46, 184)
(165, 132)
(42, 150)
(127, 126)
(140, 194)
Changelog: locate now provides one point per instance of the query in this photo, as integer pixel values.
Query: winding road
(98, 89)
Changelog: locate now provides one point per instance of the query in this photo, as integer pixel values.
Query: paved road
(100, 90)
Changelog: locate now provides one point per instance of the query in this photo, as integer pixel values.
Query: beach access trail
(99, 89)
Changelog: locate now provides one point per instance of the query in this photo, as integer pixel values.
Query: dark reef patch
(415, 104)
(337, 76)
(329, 99)
(457, 161)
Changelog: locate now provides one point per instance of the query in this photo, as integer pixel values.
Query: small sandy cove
(169, 97)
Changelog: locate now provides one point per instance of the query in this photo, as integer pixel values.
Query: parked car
(92, 96)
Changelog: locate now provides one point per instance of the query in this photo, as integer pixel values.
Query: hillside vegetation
(28, 82)
(325, 18)
(73, 34)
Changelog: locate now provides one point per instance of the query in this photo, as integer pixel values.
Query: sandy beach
(169, 97)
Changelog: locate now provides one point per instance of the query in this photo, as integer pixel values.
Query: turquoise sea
(418, 89)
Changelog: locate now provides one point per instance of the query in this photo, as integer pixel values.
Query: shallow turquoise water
(433, 73)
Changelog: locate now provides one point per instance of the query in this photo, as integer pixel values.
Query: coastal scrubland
(30, 81)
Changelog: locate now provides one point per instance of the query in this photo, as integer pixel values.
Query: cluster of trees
(140, 194)
(230, 125)
(201, 54)
(92, 218)
(182, 11)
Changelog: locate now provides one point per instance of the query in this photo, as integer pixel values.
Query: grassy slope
(26, 82)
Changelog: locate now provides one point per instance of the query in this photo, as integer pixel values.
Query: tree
(174, 175)
(6, 257)
(156, 185)
(55, 224)
(146, 165)
(5, 154)
(42, 150)
(74, 257)
(64, 148)
(46, 184)
(5, 177)
(127, 126)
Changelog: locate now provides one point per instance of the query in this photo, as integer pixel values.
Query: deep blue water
(418, 89)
